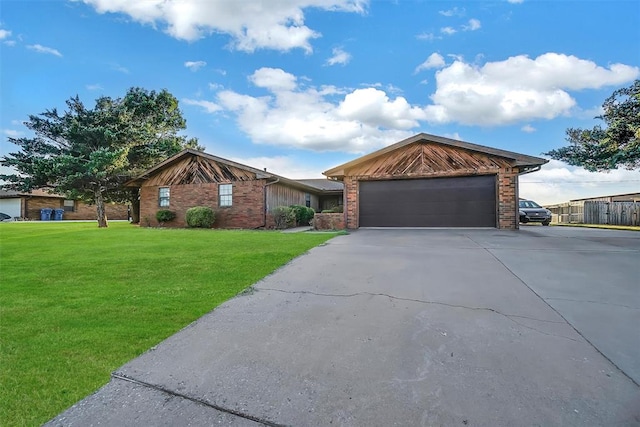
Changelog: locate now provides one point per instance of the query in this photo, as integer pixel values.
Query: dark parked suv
(530, 211)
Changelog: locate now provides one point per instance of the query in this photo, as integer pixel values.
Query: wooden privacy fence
(614, 213)
(570, 212)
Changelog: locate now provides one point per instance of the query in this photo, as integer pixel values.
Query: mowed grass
(605, 226)
(76, 302)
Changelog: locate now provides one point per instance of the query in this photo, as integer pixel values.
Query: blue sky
(301, 86)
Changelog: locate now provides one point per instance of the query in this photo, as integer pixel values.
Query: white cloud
(528, 128)
(252, 25)
(558, 182)
(518, 88)
(293, 112)
(43, 49)
(373, 107)
(339, 57)
(12, 133)
(303, 116)
(274, 79)
(452, 12)
(448, 30)
(286, 166)
(473, 25)
(454, 135)
(435, 60)
(119, 68)
(588, 113)
(195, 65)
(427, 36)
(94, 87)
(515, 1)
(210, 107)
(4, 34)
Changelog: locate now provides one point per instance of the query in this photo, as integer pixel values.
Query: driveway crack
(594, 302)
(511, 317)
(122, 377)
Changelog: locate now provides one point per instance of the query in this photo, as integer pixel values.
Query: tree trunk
(135, 206)
(102, 214)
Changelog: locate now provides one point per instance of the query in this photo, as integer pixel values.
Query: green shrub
(164, 215)
(200, 217)
(284, 217)
(303, 214)
(335, 209)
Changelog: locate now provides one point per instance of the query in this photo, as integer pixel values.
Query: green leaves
(84, 150)
(618, 144)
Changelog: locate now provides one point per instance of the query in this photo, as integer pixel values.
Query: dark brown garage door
(468, 201)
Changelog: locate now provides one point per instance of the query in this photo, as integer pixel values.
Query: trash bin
(45, 214)
(57, 214)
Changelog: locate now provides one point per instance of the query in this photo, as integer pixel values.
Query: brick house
(27, 206)
(431, 181)
(241, 196)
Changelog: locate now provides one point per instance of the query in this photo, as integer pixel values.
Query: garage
(10, 207)
(433, 181)
(468, 201)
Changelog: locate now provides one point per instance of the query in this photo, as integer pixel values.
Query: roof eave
(519, 159)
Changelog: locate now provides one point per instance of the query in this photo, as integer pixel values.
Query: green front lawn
(76, 302)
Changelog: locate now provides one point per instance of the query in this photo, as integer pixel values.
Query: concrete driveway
(407, 327)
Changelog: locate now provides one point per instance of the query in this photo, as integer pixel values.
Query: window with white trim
(69, 205)
(225, 195)
(163, 196)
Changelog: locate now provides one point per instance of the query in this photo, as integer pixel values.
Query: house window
(69, 205)
(163, 196)
(225, 192)
(307, 200)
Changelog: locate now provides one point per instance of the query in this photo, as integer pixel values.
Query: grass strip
(602, 226)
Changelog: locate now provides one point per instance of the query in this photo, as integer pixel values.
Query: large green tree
(88, 154)
(617, 144)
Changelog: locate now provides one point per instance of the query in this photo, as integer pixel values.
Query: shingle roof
(323, 184)
(7, 194)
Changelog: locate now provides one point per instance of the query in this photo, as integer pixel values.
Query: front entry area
(467, 201)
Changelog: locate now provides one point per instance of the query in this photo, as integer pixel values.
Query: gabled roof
(522, 160)
(260, 174)
(135, 182)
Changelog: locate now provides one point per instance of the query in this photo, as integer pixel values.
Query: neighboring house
(627, 197)
(241, 196)
(616, 209)
(431, 181)
(22, 205)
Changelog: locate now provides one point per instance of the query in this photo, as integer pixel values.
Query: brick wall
(328, 221)
(114, 211)
(508, 217)
(247, 210)
(351, 202)
(32, 205)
